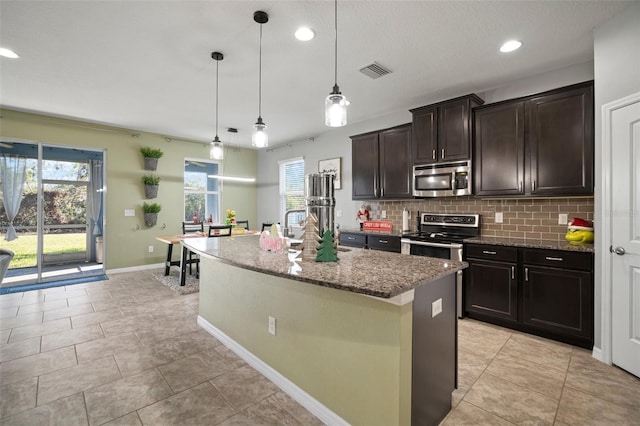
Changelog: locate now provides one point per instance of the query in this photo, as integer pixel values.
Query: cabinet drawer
(353, 240)
(383, 242)
(489, 252)
(559, 259)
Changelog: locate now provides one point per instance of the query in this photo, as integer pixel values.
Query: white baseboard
(135, 268)
(598, 354)
(307, 401)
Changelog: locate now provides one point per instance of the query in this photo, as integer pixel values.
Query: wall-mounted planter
(150, 219)
(150, 191)
(151, 156)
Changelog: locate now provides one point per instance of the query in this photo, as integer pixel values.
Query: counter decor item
(150, 186)
(273, 240)
(151, 156)
(231, 217)
(378, 225)
(310, 237)
(327, 250)
(150, 211)
(579, 231)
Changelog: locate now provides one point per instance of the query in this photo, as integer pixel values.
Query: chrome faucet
(286, 229)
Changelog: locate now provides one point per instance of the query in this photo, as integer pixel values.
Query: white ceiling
(147, 65)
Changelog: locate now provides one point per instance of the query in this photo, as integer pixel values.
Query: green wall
(126, 238)
(350, 352)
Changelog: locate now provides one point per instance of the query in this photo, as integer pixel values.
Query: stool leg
(183, 266)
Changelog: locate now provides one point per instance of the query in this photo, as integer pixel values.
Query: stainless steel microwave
(442, 179)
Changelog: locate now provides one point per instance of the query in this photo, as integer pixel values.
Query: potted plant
(151, 211)
(150, 186)
(151, 156)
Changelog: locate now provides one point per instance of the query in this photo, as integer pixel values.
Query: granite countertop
(371, 272)
(542, 244)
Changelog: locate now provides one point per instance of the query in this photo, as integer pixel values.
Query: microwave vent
(375, 70)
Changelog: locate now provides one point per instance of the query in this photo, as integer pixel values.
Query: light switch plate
(383, 215)
(498, 217)
(436, 307)
(272, 325)
(338, 213)
(150, 249)
(129, 212)
(562, 219)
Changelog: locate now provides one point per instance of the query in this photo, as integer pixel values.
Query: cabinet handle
(533, 186)
(383, 241)
(351, 238)
(433, 155)
(381, 192)
(488, 252)
(443, 153)
(526, 274)
(557, 259)
(513, 272)
(520, 186)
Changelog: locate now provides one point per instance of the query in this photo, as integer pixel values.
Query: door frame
(603, 236)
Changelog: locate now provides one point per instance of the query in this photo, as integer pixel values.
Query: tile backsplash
(522, 218)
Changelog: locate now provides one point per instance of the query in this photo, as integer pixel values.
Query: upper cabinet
(541, 145)
(442, 132)
(381, 163)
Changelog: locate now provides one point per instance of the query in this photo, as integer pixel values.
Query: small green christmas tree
(326, 250)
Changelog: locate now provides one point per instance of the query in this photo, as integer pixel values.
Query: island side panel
(434, 351)
(350, 352)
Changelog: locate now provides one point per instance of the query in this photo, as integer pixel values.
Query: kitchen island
(357, 341)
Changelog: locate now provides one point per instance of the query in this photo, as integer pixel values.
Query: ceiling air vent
(375, 70)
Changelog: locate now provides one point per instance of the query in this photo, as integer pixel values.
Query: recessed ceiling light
(305, 34)
(8, 53)
(510, 46)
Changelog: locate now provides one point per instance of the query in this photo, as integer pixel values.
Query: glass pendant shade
(260, 138)
(335, 110)
(216, 151)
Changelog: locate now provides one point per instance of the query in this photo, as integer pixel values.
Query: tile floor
(128, 351)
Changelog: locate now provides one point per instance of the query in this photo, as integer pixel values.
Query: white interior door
(625, 234)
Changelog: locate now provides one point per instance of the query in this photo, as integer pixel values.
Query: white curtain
(13, 172)
(94, 197)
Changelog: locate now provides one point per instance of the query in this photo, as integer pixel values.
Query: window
(292, 189)
(201, 192)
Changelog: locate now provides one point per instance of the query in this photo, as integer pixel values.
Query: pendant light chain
(336, 41)
(217, 78)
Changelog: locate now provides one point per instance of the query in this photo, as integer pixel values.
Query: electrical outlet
(436, 307)
(129, 212)
(383, 215)
(562, 219)
(498, 217)
(272, 325)
(338, 213)
(150, 249)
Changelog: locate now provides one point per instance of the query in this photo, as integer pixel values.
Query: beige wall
(522, 218)
(126, 238)
(350, 352)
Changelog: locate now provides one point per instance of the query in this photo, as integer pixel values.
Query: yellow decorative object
(579, 235)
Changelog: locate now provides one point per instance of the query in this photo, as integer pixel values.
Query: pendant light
(335, 105)
(259, 138)
(216, 152)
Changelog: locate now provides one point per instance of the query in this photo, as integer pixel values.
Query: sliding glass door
(56, 229)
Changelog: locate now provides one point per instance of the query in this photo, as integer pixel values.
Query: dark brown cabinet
(541, 145)
(558, 292)
(381, 163)
(372, 241)
(353, 239)
(491, 284)
(442, 132)
(540, 291)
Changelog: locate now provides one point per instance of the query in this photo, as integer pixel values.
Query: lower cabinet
(370, 240)
(540, 291)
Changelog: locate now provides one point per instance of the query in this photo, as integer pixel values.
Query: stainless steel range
(441, 236)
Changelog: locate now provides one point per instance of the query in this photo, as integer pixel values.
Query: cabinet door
(383, 242)
(560, 140)
(491, 289)
(453, 131)
(395, 162)
(558, 300)
(498, 166)
(353, 239)
(365, 175)
(425, 135)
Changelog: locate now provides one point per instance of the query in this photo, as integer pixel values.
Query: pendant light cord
(217, 76)
(336, 46)
(260, 77)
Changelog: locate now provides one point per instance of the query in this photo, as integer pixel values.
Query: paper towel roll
(405, 220)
